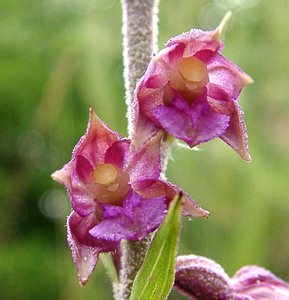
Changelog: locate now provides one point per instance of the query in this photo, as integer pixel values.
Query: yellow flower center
(105, 174)
(189, 78)
(193, 70)
(111, 184)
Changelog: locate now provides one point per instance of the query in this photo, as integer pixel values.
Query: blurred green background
(60, 57)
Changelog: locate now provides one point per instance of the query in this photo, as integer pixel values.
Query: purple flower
(116, 193)
(190, 90)
(200, 278)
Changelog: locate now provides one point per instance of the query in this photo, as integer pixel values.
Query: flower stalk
(139, 43)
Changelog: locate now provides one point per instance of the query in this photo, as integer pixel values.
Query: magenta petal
(260, 284)
(83, 168)
(117, 153)
(85, 248)
(236, 134)
(170, 55)
(97, 139)
(156, 74)
(227, 75)
(154, 188)
(143, 129)
(201, 278)
(207, 124)
(180, 104)
(175, 122)
(197, 40)
(135, 220)
(190, 206)
(146, 162)
(82, 201)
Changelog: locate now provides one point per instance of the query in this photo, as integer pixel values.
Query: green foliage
(156, 276)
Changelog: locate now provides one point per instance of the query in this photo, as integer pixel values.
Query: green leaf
(156, 276)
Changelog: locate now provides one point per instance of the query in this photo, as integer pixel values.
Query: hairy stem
(133, 253)
(140, 41)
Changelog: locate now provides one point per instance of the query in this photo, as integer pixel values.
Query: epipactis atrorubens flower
(115, 193)
(190, 90)
(200, 278)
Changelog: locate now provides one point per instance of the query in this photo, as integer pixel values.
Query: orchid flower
(201, 278)
(116, 193)
(190, 91)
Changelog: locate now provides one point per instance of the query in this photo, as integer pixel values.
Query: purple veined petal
(175, 122)
(157, 188)
(259, 284)
(202, 125)
(97, 139)
(117, 153)
(180, 104)
(200, 278)
(85, 248)
(146, 162)
(227, 75)
(207, 124)
(134, 220)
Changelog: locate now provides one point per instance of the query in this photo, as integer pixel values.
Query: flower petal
(83, 168)
(155, 188)
(175, 122)
(146, 162)
(117, 153)
(135, 220)
(82, 201)
(236, 134)
(259, 283)
(97, 139)
(197, 40)
(85, 248)
(207, 124)
(89, 151)
(201, 278)
(63, 176)
(227, 75)
(143, 129)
